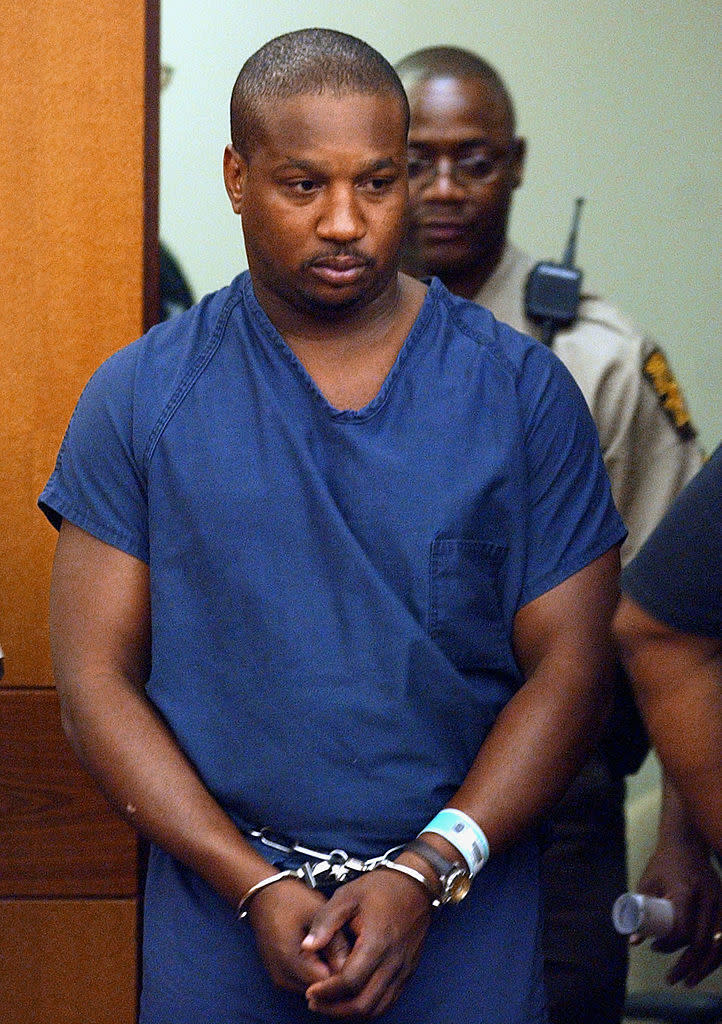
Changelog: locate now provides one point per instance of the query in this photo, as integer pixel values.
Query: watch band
(454, 878)
(441, 865)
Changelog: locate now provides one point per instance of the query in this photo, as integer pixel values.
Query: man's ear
(235, 169)
(517, 164)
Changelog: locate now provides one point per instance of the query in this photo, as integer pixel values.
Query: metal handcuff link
(330, 868)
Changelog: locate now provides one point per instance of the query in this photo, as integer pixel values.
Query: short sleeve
(677, 575)
(98, 483)
(572, 516)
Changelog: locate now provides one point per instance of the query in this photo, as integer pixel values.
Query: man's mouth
(339, 270)
(442, 230)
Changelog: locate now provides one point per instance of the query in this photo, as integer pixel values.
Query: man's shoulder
(155, 364)
(603, 348)
(624, 375)
(475, 323)
(138, 388)
(170, 345)
(520, 370)
(600, 334)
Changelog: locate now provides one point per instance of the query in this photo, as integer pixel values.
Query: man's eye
(417, 167)
(379, 184)
(303, 187)
(476, 166)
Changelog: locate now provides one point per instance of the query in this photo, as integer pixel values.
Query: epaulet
(658, 372)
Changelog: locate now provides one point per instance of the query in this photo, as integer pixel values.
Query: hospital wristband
(463, 833)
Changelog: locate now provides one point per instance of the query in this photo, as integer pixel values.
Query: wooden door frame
(151, 289)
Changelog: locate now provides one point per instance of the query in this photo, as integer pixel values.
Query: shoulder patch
(657, 371)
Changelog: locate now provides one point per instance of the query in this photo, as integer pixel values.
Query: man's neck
(309, 325)
(349, 353)
(465, 280)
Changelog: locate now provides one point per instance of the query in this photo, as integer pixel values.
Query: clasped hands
(350, 954)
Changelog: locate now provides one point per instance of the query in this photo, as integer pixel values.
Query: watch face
(456, 886)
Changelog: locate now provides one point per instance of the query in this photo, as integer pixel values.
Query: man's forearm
(100, 639)
(145, 776)
(563, 644)
(687, 733)
(677, 680)
(536, 747)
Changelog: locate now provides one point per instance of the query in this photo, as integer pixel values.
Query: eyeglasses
(477, 167)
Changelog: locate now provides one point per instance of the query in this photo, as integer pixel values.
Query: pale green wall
(619, 102)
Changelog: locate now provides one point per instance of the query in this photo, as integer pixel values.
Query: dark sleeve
(677, 575)
(175, 294)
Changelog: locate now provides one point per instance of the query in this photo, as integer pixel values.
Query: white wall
(619, 101)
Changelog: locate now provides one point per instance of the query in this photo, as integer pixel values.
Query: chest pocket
(465, 608)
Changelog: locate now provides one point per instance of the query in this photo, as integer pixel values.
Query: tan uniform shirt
(633, 397)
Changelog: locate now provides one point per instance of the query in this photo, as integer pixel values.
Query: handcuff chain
(339, 863)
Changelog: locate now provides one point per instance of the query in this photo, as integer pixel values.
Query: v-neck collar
(260, 318)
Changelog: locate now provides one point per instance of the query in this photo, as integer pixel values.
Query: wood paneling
(58, 837)
(78, 243)
(67, 961)
(72, 234)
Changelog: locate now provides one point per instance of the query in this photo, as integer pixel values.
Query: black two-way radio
(553, 290)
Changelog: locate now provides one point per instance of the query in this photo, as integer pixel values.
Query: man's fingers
(356, 995)
(280, 921)
(697, 961)
(295, 969)
(329, 920)
(705, 920)
(336, 952)
(362, 962)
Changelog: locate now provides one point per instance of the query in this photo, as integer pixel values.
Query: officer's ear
(517, 161)
(235, 171)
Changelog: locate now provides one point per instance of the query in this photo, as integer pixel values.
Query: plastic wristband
(462, 832)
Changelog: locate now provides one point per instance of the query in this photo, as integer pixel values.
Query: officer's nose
(443, 184)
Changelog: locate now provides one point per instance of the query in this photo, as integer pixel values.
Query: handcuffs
(332, 868)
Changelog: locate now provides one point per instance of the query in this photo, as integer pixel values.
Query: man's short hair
(454, 62)
(310, 61)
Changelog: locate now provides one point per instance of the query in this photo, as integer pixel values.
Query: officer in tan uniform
(645, 431)
(465, 161)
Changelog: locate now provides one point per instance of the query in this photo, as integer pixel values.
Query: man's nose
(443, 185)
(342, 219)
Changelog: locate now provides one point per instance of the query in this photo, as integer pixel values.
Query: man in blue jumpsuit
(337, 553)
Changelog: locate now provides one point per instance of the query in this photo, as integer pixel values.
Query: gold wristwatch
(454, 879)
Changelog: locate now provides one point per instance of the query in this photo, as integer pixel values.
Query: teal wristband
(462, 832)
